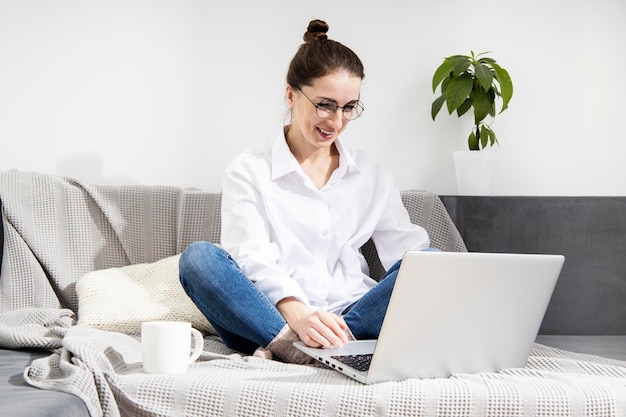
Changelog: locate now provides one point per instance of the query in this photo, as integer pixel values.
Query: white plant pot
(476, 171)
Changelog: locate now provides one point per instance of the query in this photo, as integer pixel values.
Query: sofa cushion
(19, 399)
(120, 299)
(613, 346)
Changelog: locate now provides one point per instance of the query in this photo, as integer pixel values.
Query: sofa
(83, 265)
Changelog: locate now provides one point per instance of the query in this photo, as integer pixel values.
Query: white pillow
(119, 299)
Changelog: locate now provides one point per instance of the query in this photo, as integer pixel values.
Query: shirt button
(324, 233)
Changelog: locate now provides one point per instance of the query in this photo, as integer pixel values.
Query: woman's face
(340, 87)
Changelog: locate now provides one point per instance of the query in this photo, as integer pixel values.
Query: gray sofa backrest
(57, 229)
(590, 296)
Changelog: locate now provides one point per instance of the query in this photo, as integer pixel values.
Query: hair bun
(317, 30)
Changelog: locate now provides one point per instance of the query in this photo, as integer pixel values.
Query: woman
(294, 216)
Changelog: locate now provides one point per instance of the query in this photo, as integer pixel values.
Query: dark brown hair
(319, 56)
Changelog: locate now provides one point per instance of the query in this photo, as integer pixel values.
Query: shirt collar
(346, 161)
(283, 161)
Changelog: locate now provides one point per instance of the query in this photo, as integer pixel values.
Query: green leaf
(437, 105)
(458, 58)
(489, 136)
(492, 97)
(494, 139)
(484, 75)
(442, 72)
(458, 91)
(506, 85)
(482, 104)
(472, 142)
(461, 64)
(463, 108)
(492, 110)
(444, 84)
(483, 53)
(484, 136)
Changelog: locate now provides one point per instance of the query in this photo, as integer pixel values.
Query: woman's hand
(316, 329)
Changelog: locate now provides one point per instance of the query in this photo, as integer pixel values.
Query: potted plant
(473, 82)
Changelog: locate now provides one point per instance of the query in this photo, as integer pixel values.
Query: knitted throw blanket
(56, 230)
(105, 370)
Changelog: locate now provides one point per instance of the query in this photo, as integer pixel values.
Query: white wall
(167, 92)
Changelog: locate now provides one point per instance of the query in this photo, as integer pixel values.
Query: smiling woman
(332, 74)
(295, 214)
(311, 136)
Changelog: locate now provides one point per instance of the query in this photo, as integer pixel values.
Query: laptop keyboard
(358, 362)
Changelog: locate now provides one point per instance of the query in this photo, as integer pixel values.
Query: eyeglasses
(327, 108)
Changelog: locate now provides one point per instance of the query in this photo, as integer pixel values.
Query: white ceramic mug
(166, 346)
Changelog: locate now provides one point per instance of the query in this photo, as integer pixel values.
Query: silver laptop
(453, 313)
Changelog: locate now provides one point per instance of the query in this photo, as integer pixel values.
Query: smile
(327, 133)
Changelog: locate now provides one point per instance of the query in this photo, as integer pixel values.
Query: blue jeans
(243, 317)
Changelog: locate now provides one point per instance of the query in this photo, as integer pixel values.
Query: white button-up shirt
(294, 240)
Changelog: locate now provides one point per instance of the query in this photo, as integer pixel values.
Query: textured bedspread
(104, 369)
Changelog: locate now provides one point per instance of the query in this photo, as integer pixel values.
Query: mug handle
(198, 345)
